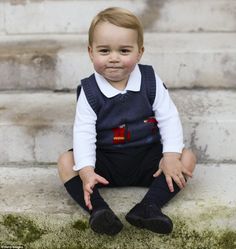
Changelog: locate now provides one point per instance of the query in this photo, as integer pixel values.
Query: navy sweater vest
(125, 120)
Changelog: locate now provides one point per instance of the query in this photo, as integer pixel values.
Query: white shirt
(84, 131)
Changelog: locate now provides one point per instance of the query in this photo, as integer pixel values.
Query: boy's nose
(114, 57)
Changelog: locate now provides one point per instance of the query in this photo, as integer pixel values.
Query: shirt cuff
(77, 168)
(172, 148)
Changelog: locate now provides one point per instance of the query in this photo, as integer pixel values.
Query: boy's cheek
(130, 64)
(98, 64)
(98, 68)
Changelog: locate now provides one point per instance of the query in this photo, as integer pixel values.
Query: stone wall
(43, 44)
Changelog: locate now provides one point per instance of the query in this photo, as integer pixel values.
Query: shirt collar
(134, 84)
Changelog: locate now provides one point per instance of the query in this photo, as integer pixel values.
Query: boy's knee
(65, 160)
(192, 156)
(65, 166)
(189, 159)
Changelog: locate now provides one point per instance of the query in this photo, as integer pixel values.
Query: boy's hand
(90, 179)
(173, 169)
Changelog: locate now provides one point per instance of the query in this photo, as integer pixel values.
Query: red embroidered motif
(121, 135)
(152, 120)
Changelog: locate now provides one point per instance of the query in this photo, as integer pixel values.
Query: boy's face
(114, 53)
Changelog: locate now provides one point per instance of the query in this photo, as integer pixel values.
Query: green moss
(80, 225)
(187, 237)
(228, 240)
(21, 229)
(68, 232)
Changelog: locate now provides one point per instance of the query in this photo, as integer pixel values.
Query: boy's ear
(141, 51)
(90, 52)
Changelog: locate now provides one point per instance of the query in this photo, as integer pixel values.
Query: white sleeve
(84, 134)
(168, 119)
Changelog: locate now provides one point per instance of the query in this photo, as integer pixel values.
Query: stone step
(37, 126)
(36, 212)
(157, 16)
(183, 60)
(27, 189)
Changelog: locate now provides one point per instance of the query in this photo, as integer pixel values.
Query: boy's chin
(115, 81)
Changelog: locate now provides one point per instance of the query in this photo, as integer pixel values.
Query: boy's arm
(173, 169)
(168, 119)
(84, 134)
(172, 137)
(90, 179)
(84, 147)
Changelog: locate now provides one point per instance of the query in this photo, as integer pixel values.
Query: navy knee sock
(159, 192)
(75, 189)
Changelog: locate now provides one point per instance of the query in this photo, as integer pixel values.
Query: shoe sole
(154, 225)
(105, 222)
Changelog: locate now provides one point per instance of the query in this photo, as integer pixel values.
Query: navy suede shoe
(149, 216)
(104, 221)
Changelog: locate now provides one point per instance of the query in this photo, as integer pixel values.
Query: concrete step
(186, 60)
(157, 16)
(37, 126)
(39, 189)
(36, 212)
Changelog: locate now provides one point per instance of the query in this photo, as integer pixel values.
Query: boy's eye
(104, 51)
(125, 51)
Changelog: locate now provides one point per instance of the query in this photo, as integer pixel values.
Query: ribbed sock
(159, 192)
(75, 189)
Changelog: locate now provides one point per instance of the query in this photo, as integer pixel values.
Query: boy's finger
(178, 182)
(170, 183)
(187, 172)
(159, 171)
(88, 189)
(182, 179)
(101, 179)
(90, 206)
(87, 200)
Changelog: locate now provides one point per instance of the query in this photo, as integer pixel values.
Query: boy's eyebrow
(122, 46)
(127, 46)
(102, 46)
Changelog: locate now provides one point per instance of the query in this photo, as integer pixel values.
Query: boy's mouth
(113, 68)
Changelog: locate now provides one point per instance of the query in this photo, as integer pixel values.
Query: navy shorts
(128, 166)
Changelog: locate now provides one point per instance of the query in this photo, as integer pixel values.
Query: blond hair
(119, 17)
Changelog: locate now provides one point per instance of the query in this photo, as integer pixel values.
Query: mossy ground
(71, 232)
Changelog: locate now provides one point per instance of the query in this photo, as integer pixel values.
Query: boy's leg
(159, 192)
(102, 219)
(71, 179)
(148, 212)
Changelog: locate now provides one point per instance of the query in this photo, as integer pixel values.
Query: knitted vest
(125, 120)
